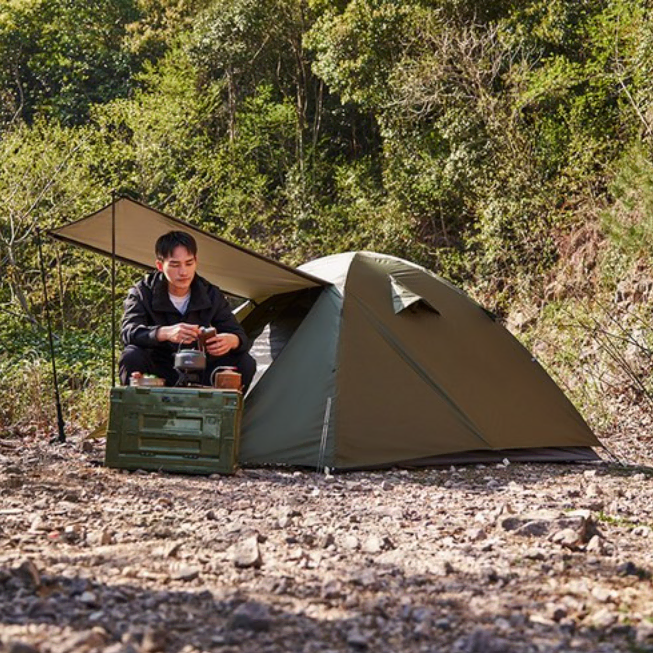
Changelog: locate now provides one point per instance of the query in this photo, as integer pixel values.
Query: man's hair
(166, 244)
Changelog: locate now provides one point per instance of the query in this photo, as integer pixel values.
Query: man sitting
(167, 310)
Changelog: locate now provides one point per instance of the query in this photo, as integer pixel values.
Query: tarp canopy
(236, 270)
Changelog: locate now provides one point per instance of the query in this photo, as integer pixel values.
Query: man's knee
(247, 369)
(133, 359)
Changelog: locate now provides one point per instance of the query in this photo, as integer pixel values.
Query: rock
(186, 573)
(88, 598)
(247, 553)
(603, 595)
(642, 531)
(631, 569)
(350, 542)
(21, 647)
(593, 490)
(597, 545)
(356, 639)
(482, 641)
(558, 612)
(476, 534)
(154, 641)
(602, 619)
(513, 521)
(28, 572)
(535, 528)
(372, 544)
(332, 590)
(568, 537)
(327, 540)
(421, 614)
(644, 633)
(121, 648)
(250, 616)
(87, 639)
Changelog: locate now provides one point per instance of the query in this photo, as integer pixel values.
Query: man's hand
(178, 333)
(222, 343)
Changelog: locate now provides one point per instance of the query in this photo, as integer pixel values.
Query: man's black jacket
(148, 307)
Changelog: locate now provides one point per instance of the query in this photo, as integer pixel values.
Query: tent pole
(113, 288)
(57, 398)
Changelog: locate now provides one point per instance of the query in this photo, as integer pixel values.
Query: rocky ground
(478, 559)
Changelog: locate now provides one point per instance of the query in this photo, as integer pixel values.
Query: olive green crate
(188, 430)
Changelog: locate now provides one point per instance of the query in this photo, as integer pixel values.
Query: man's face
(179, 269)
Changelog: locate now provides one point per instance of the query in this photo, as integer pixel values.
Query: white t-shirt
(180, 303)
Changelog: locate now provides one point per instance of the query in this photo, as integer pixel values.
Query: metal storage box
(190, 430)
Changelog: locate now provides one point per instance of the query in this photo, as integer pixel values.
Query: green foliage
(58, 57)
(628, 223)
(465, 135)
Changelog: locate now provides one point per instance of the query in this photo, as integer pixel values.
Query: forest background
(505, 145)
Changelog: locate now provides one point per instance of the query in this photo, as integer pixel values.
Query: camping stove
(190, 363)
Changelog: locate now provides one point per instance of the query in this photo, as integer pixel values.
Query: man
(166, 310)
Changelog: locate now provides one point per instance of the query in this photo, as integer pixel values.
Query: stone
(186, 573)
(372, 544)
(350, 542)
(482, 641)
(603, 595)
(476, 534)
(29, 573)
(593, 490)
(154, 641)
(629, 568)
(558, 612)
(597, 545)
(535, 528)
(88, 598)
(21, 647)
(644, 633)
(247, 553)
(358, 640)
(568, 537)
(251, 615)
(602, 619)
(87, 639)
(642, 531)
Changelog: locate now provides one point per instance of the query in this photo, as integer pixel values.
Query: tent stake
(325, 431)
(57, 398)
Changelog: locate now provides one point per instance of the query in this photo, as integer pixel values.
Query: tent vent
(403, 298)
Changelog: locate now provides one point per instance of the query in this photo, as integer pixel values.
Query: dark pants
(160, 363)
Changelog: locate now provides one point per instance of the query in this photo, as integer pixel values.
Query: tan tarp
(234, 269)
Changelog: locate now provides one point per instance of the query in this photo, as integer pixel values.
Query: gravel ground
(478, 559)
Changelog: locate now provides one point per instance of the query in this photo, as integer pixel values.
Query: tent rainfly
(364, 359)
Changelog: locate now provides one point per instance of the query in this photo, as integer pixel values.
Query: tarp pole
(57, 398)
(113, 288)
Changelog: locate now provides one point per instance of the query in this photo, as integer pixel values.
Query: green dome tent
(365, 360)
